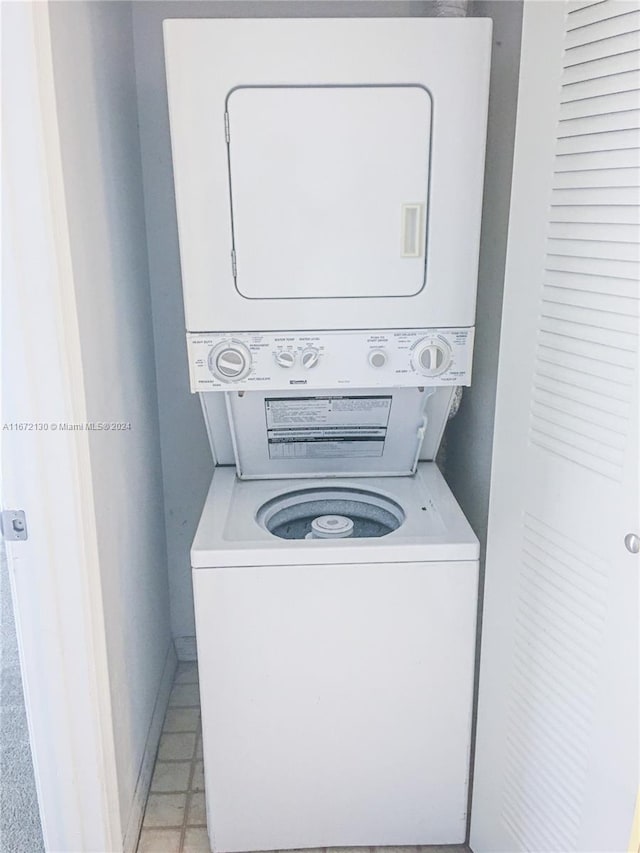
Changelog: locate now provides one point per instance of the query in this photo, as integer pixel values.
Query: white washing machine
(329, 186)
(336, 675)
(335, 586)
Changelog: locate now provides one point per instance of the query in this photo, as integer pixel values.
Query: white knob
(285, 358)
(230, 360)
(310, 358)
(432, 357)
(378, 358)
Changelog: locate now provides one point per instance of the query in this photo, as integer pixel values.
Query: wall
(95, 88)
(470, 434)
(186, 458)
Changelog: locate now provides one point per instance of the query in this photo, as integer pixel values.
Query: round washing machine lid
(330, 513)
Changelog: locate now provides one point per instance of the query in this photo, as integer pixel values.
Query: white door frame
(55, 574)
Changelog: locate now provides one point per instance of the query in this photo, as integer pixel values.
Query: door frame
(55, 574)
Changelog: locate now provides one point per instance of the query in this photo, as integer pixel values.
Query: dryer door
(329, 190)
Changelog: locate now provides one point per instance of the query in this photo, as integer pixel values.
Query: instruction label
(326, 427)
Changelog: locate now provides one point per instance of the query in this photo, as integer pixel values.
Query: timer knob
(230, 360)
(432, 357)
(310, 357)
(285, 358)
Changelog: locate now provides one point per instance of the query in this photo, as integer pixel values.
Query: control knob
(310, 357)
(285, 358)
(230, 361)
(432, 357)
(378, 358)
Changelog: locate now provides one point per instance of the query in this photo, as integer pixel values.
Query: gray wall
(186, 459)
(470, 434)
(97, 111)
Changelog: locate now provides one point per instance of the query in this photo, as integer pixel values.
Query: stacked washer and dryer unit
(328, 179)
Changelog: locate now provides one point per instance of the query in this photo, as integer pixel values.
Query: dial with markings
(230, 360)
(431, 357)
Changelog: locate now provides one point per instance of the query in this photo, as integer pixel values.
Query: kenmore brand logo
(297, 382)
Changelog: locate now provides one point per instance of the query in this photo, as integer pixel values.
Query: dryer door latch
(14, 525)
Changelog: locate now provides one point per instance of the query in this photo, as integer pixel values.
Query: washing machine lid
(231, 531)
(347, 166)
(367, 433)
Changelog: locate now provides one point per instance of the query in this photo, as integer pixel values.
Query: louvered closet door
(557, 745)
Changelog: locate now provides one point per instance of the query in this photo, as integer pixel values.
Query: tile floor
(174, 819)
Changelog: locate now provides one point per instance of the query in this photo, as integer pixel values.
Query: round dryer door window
(330, 513)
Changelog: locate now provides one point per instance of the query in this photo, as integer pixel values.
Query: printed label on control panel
(326, 427)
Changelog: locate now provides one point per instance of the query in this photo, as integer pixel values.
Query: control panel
(337, 359)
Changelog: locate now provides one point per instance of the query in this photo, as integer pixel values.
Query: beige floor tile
(178, 746)
(164, 810)
(439, 848)
(182, 720)
(196, 810)
(355, 849)
(187, 673)
(171, 776)
(404, 849)
(185, 696)
(198, 777)
(159, 841)
(196, 841)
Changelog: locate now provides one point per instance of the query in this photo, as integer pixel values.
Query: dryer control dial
(310, 357)
(230, 360)
(432, 356)
(285, 358)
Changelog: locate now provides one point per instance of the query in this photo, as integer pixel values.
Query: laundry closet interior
(339, 387)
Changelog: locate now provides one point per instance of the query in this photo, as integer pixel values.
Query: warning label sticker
(327, 427)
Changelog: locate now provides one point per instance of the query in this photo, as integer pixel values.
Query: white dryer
(328, 172)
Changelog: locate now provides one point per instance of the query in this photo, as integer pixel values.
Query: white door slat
(623, 287)
(602, 353)
(594, 231)
(627, 81)
(596, 195)
(582, 379)
(559, 402)
(590, 213)
(613, 373)
(583, 13)
(598, 104)
(576, 8)
(621, 159)
(583, 178)
(627, 306)
(595, 141)
(591, 318)
(593, 249)
(600, 68)
(600, 49)
(598, 122)
(594, 267)
(601, 28)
